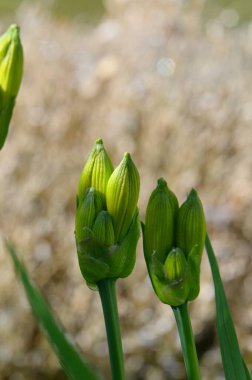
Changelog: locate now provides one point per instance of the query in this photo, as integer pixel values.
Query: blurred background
(169, 81)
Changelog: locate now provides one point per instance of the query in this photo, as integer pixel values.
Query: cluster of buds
(107, 220)
(173, 244)
(11, 70)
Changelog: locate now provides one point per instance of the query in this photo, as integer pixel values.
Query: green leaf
(248, 377)
(5, 118)
(69, 357)
(233, 363)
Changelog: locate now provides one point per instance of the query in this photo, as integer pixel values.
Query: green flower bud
(191, 225)
(99, 260)
(103, 228)
(171, 280)
(11, 71)
(96, 172)
(86, 213)
(175, 265)
(107, 226)
(159, 222)
(122, 196)
(122, 257)
(174, 272)
(11, 62)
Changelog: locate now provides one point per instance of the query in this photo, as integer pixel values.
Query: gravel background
(157, 79)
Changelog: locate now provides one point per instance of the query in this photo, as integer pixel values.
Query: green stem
(187, 341)
(108, 298)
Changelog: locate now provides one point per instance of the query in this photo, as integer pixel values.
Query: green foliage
(233, 363)
(69, 357)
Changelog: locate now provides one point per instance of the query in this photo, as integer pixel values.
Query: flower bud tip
(127, 156)
(161, 182)
(99, 142)
(13, 31)
(193, 193)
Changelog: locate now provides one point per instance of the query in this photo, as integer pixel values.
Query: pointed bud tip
(161, 183)
(99, 142)
(14, 28)
(99, 145)
(127, 159)
(14, 33)
(127, 156)
(193, 194)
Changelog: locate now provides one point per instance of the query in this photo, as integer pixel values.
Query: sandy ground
(153, 79)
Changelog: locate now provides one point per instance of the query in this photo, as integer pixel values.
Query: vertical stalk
(187, 341)
(109, 304)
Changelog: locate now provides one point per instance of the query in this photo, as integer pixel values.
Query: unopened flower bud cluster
(107, 223)
(173, 244)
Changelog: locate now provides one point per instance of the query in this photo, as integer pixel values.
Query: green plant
(233, 364)
(11, 71)
(107, 230)
(69, 357)
(173, 245)
(172, 273)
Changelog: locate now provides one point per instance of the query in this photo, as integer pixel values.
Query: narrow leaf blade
(69, 357)
(248, 376)
(233, 363)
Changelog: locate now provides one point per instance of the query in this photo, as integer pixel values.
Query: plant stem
(109, 304)
(187, 341)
